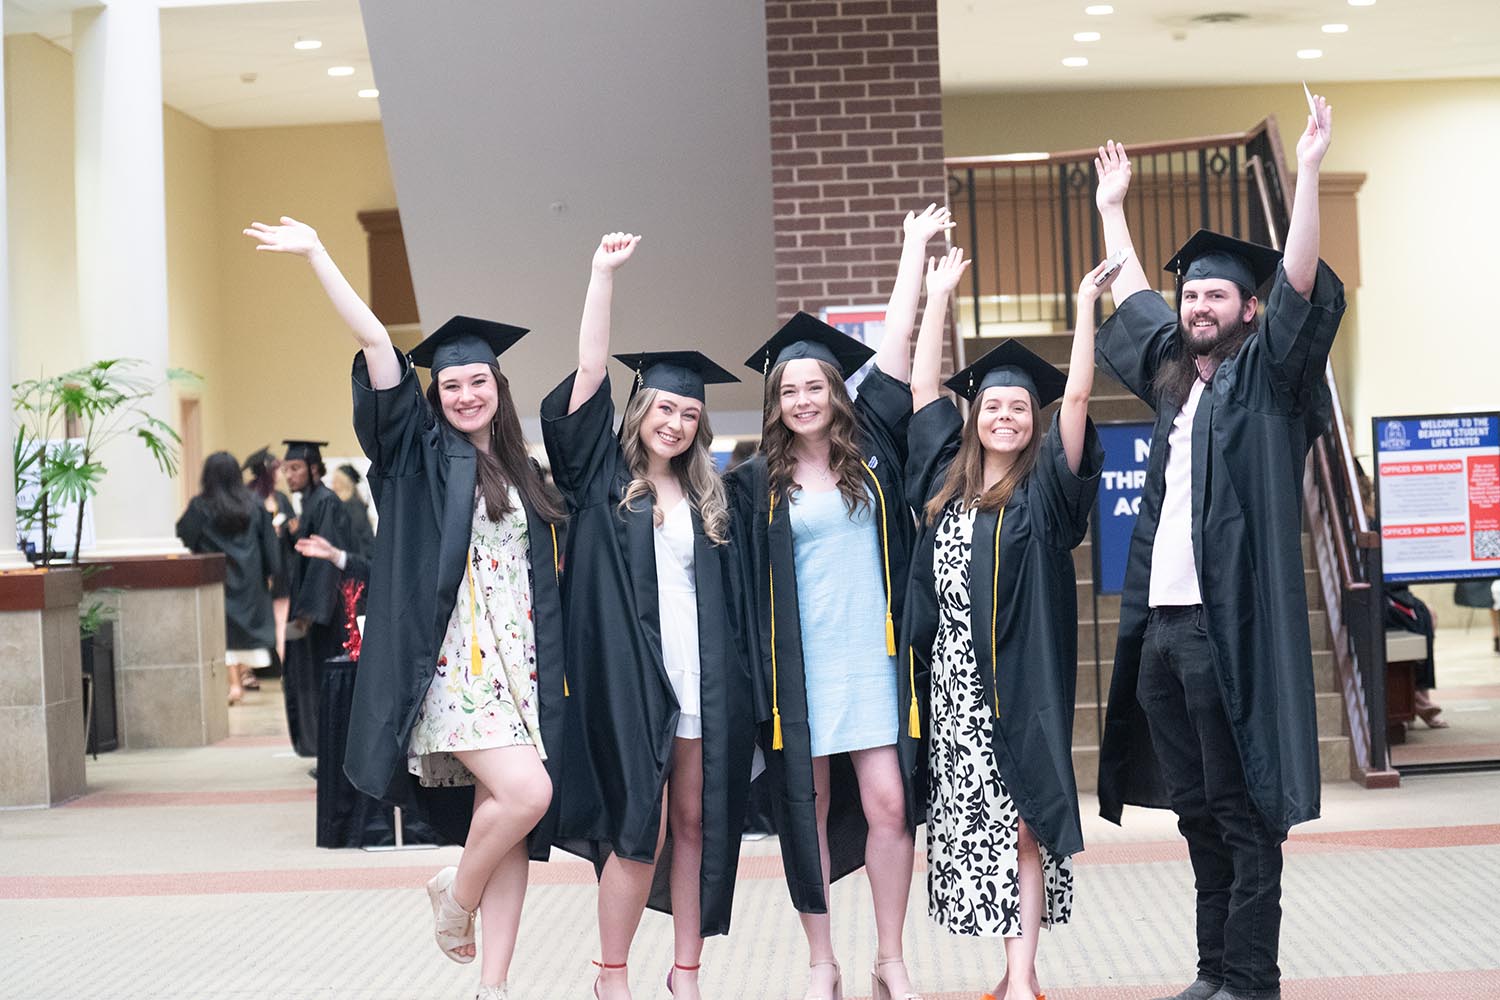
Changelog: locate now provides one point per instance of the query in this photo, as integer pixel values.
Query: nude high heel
(879, 990)
(603, 968)
(676, 967)
(838, 981)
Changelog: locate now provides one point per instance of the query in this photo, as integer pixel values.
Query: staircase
(1112, 402)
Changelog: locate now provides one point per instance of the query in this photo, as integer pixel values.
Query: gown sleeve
(883, 408)
(270, 547)
(1132, 343)
(191, 525)
(317, 598)
(1299, 332)
(390, 423)
(932, 442)
(581, 446)
(1068, 496)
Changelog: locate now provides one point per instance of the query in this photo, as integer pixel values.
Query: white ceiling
(207, 45)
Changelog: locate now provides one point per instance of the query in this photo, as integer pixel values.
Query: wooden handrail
(1144, 149)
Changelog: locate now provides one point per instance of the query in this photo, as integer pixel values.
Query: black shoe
(1201, 989)
(1497, 643)
(1225, 993)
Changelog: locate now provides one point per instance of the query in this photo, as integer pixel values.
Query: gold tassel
(775, 691)
(775, 729)
(566, 692)
(913, 714)
(890, 636)
(476, 661)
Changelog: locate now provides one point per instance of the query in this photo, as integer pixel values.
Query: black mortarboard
(1210, 255)
(464, 340)
(682, 372)
(806, 336)
(304, 451)
(1010, 364)
(259, 459)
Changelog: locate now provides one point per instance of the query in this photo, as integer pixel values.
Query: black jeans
(1236, 856)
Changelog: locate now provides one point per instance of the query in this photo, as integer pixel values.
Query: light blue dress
(851, 680)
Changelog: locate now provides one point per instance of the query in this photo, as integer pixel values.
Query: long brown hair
(506, 463)
(694, 469)
(1179, 370)
(965, 479)
(844, 458)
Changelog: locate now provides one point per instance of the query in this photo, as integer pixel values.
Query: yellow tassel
(476, 662)
(775, 729)
(566, 692)
(890, 636)
(913, 714)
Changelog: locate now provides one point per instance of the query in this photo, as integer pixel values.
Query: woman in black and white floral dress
(991, 628)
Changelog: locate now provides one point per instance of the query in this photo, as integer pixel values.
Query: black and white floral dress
(972, 824)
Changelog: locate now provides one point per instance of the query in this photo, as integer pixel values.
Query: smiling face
(469, 396)
(1212, 311)
(1004, 420)
(669, 425)
(297, 475)
(805, 398)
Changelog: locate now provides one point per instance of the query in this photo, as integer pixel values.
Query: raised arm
(1073, 417)
(943, 276)
(301, 239)
(593, 330)
(894, 355)
(1113, 167)
(1300, 256)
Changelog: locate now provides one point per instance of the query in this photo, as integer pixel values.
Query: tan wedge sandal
(453, 926)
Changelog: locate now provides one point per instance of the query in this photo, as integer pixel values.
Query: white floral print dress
(497, 706)
(972, 823)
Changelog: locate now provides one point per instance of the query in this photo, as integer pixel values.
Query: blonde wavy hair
(844, 458)
(694, 469)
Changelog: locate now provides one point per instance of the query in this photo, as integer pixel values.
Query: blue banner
(1126, 448)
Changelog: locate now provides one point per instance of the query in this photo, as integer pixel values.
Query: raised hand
(1088, 291)
(614, 250)
(289, 237)
(945, 272)
(1113, 167)
(1315, 138)
(928, 223)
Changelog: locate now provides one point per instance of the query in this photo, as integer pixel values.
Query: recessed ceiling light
(1309, 53)
(1086, 36)
(1100, 9)
(1075, 61)
(341, 71)
(307, 44)
(1361, 3)
(1335, 29)
(369, 92)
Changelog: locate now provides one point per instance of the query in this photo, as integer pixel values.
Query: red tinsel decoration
(352, 590)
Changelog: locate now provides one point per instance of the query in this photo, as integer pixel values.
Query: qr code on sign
(1487, 544)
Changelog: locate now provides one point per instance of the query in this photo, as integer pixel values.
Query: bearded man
(1211, 705)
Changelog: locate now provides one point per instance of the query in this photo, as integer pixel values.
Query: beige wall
(39, 185)
(272, 354)
(286, 351)
(1428, 211)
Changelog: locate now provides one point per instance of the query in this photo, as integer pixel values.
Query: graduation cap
(1010, 364)
(304, 451)
(806, 336)
(464, 340)
(682, 372)
(1211, 255)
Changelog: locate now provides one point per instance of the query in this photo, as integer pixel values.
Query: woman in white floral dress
(458, 701)
(991, 627)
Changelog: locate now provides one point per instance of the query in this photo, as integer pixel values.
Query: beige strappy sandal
(453, 926)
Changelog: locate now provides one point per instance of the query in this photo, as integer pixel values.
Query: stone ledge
(155, 572)
(39, 589)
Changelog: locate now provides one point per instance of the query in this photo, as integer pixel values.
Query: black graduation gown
(1032, 671)
(249, 558)
(622, 713)
(1251, 434)
(883, 410)
(361, 535)
(316, 596)
(422, 475)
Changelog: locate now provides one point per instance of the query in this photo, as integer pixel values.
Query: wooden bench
(1403, 652)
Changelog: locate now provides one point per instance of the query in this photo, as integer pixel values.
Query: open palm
(289, 237)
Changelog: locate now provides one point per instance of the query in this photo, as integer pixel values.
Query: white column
(122, 250)
(10, 556)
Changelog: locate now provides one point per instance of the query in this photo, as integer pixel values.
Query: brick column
(856, 141)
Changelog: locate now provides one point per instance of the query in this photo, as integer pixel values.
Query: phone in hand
(1114, 261)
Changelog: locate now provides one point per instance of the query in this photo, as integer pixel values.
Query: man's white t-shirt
(1174, 571)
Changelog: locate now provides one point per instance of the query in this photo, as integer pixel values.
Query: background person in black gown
(226, 517)
(265, 469)
(1211, 704)
(315, 627)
